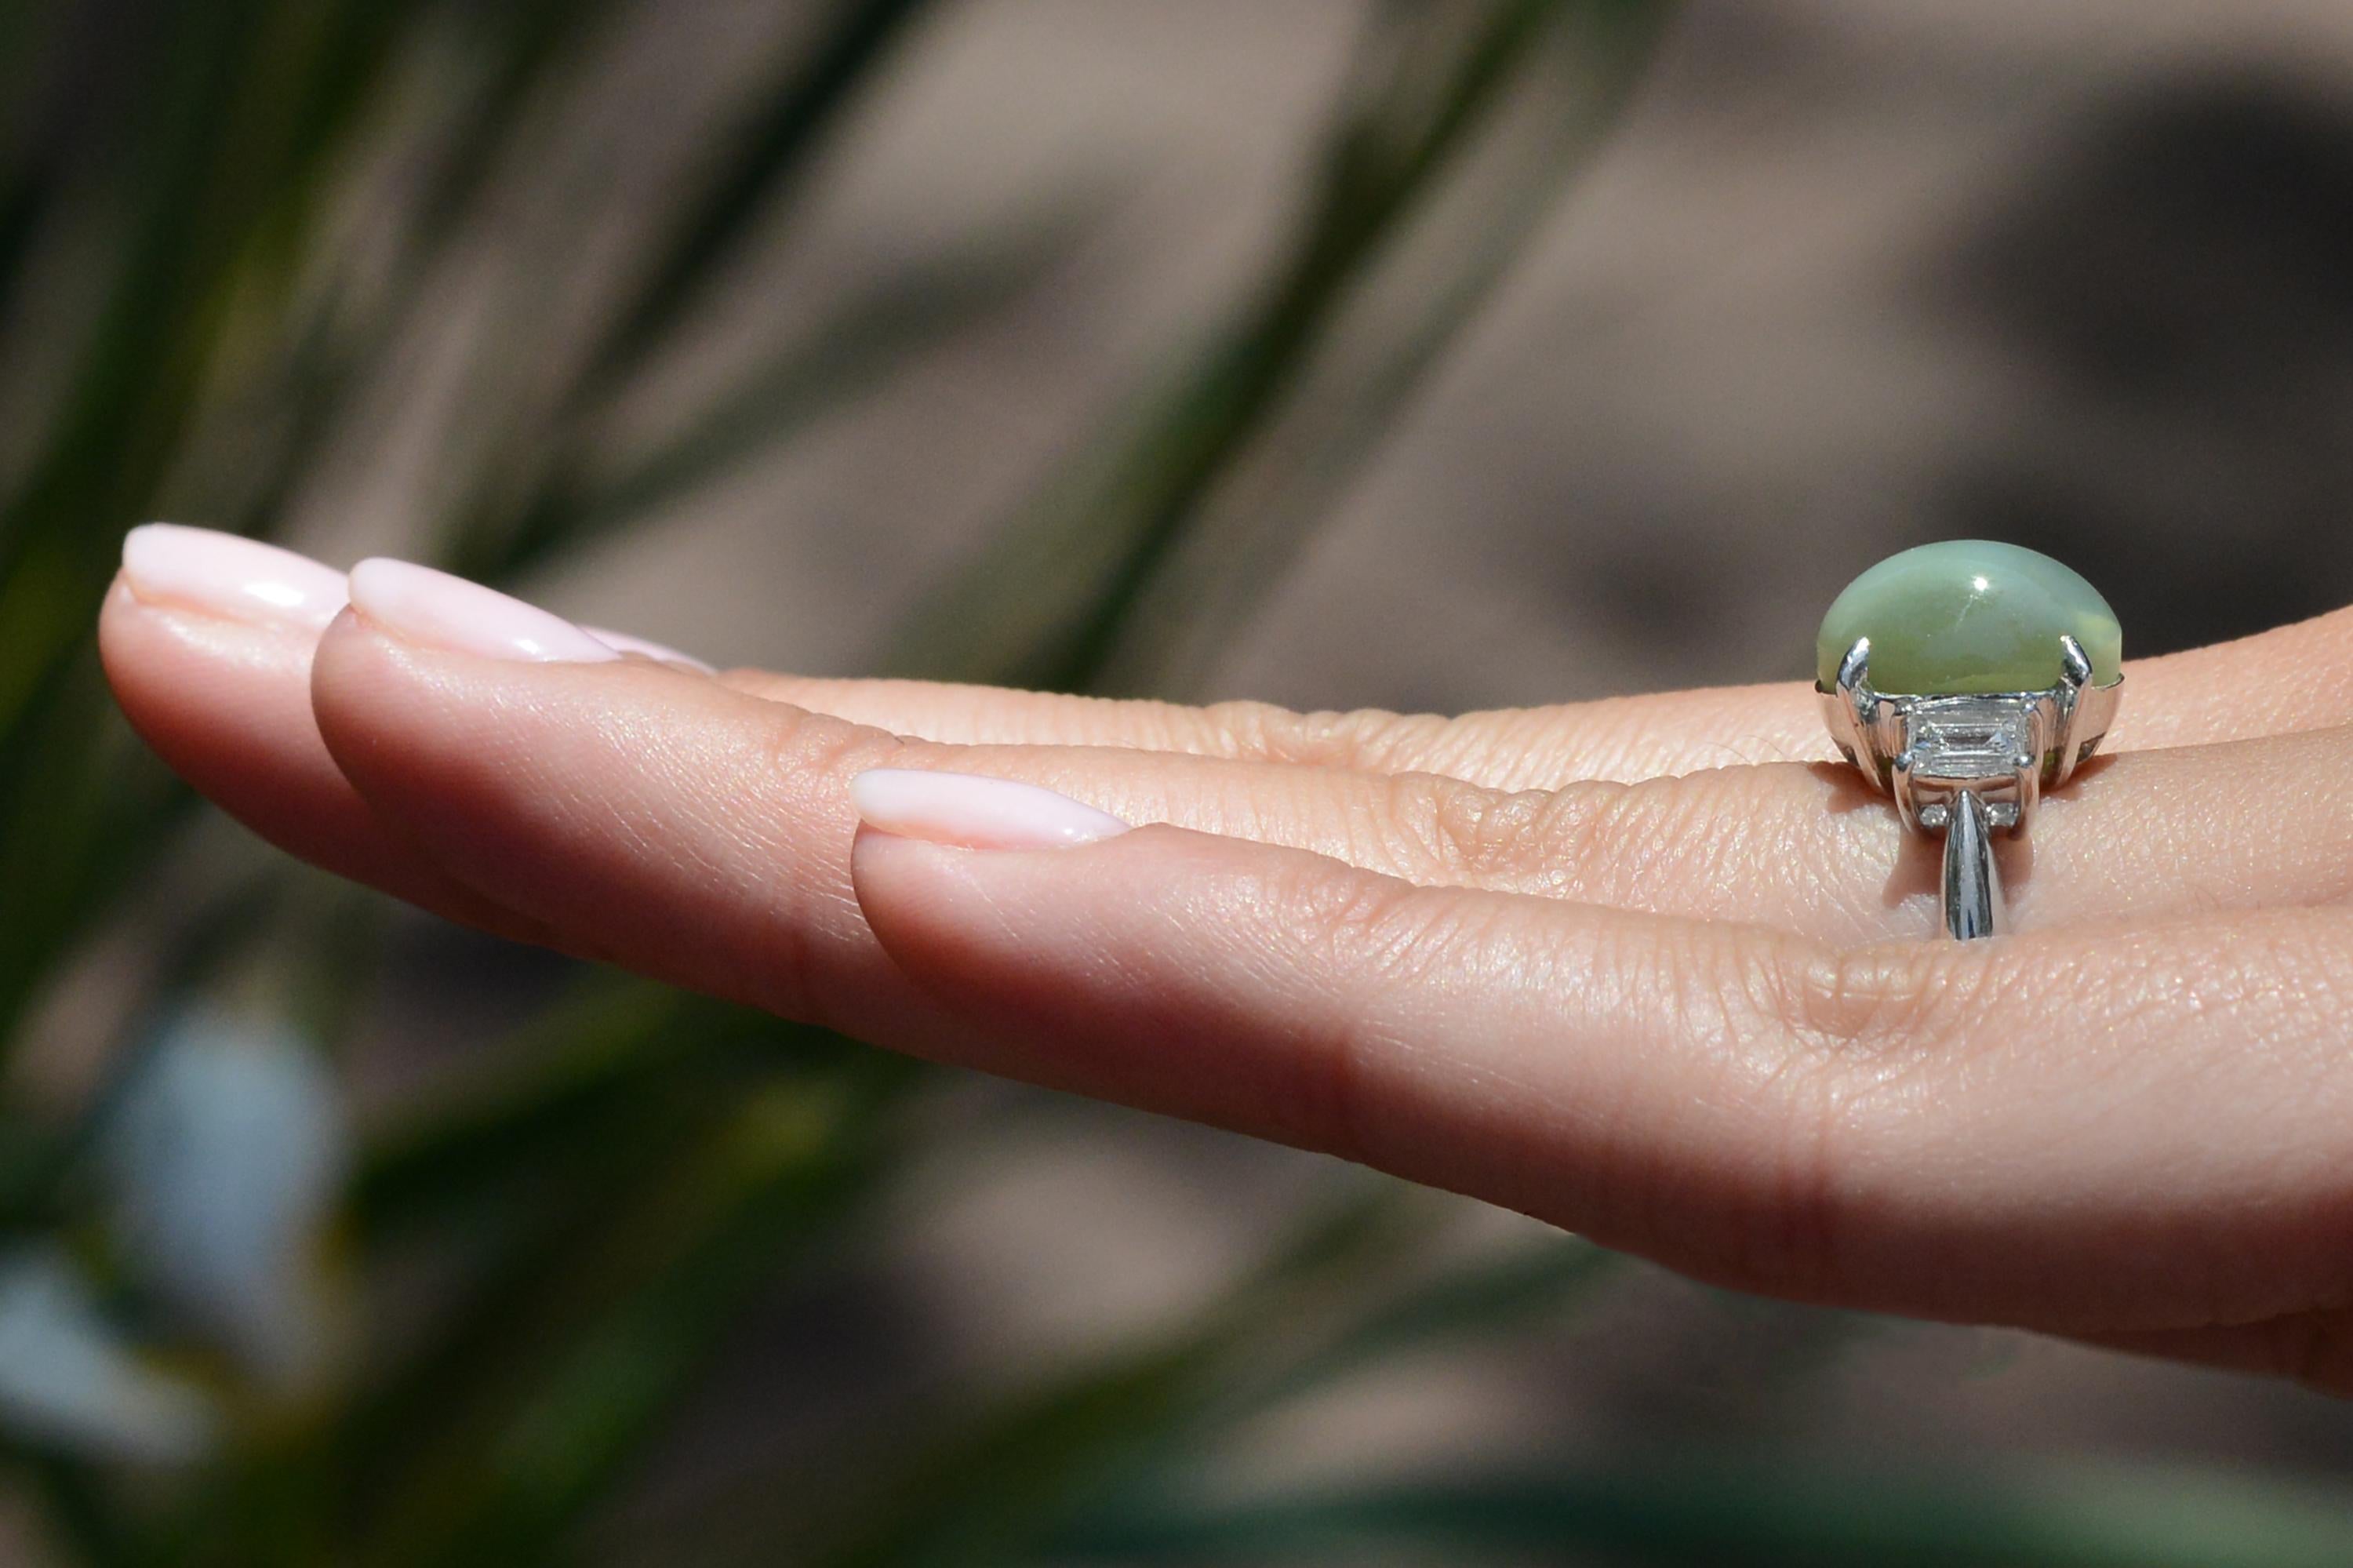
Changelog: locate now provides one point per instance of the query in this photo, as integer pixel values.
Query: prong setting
(1990, 714)
(2003, 749)
(1855, 677)
(2075, 665)
(1899, 780)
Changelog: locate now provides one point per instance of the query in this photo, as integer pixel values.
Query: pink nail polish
(624, 642)
(420, 605)
(227, 575)
(976, 811)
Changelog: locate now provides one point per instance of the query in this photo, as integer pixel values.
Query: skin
(1653, 969)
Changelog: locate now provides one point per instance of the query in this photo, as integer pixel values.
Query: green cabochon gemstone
(1968, 615)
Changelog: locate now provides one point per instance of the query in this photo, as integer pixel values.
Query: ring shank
(1972, 884)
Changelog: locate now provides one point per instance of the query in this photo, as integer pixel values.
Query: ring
(1964, 679)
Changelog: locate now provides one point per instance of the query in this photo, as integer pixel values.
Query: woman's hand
(1649, 969)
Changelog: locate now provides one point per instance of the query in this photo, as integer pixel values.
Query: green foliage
(188, 331)
(1684, 1514)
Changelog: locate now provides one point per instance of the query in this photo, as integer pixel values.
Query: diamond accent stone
(1968, 737)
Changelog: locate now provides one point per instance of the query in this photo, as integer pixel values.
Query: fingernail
(422, 605)
(227, 575)
(626, 643)
(975, 811)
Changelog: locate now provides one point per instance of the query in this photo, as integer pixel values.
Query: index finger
(2096, 1131)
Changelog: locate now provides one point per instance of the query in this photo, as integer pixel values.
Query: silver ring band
(1972, 885)
(1970, 765)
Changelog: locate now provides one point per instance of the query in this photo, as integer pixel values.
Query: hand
(1649, 968)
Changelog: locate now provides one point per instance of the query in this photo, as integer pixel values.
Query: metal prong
(2028, 773)
(2074, 664)
(1899, 780)
(1855, 669)
(1972, 887)
(1854, 683)
(2074, 682)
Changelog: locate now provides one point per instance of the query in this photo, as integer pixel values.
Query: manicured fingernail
(650, 648)
(975, 811)
(227, 575)
(422, 605)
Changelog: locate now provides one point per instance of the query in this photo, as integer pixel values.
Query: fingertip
(976, 811)
(892, 871)
(647, 648)
(426, 607)
(921, 898)
(225, 703)
(168, 665)
(984, 920)
(230, 576)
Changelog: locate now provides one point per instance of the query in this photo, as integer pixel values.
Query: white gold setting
(1970, 765)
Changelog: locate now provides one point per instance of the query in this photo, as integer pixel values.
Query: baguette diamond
(1968, 737)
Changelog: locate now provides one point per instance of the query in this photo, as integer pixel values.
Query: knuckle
(808, 758)
(1444, 827)
(1532, 840)
(1362, 737)
(801, 745)
(1894, 1004)
(1791, 1232)
(1372, 930)
(1694, 832)
(1797, 1115)
(1482, 746)
(1594, 841)
(1861, 998)
(1371, 935)
(1787, 1220)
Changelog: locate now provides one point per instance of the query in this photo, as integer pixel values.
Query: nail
(422, 605)
(975, 811)
(229, 574)
(623, 643)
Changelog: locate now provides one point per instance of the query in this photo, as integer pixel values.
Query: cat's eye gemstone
(1968, 616)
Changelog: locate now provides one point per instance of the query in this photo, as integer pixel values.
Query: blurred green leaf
(879, 330)
(265, 443)
(982, 1494)
(550, 1089)
(784, 1166)
(226, 159)
(777, 142)
(81, 812)
(229, 157)
(1395, 328)
(82, 1514)
(1692, 1513)
(1048, 601)
(1475, 1300)
(1324, 1304)
(500, 530)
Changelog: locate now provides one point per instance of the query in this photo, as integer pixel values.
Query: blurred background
(1326, 351)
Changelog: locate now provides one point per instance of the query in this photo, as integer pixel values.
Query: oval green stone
(1968, 615)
